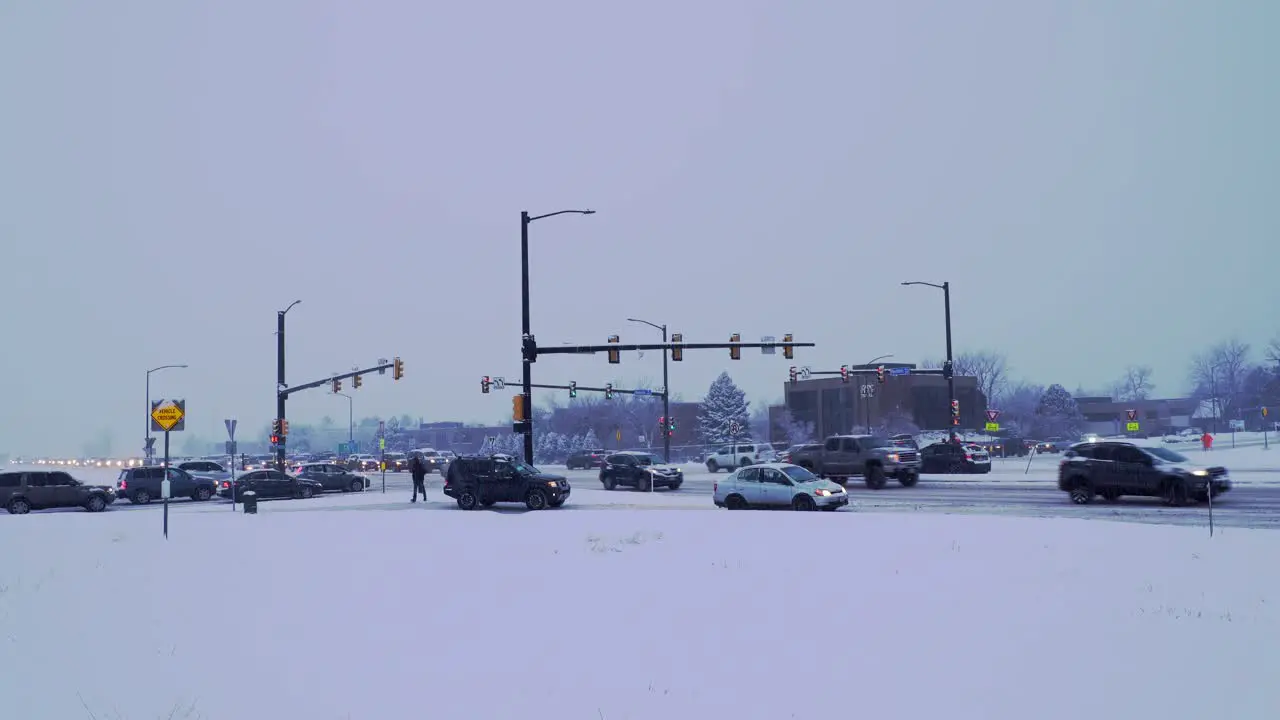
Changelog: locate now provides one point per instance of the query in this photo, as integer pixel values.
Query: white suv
(732, 457)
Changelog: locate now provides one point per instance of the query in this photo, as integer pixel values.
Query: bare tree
(1218, 374)
(1273, 353)
(991, 369)
(796, 431)
(1134, 384)
(1020, 403)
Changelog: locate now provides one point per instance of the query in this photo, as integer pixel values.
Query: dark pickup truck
(874, 458)
(141, 485)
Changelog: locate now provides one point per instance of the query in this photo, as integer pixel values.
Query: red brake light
(226, 484)
(124, 484)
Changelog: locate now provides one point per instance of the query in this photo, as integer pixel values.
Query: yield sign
(1132, 414)
(993, 415)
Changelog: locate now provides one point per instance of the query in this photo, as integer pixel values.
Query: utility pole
(949, 364)
(281, 396)
(528, 346)
(666, 391)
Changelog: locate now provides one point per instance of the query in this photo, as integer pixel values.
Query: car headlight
(822, 493)
(552, 483)
(893, 457)
(1200, 473)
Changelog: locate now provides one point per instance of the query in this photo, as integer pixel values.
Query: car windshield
(1167, 455)
(799, 474)
(645, 459)
(901, 442)
(524, 468)
(873, 442)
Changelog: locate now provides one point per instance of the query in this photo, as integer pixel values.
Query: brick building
(835, 407)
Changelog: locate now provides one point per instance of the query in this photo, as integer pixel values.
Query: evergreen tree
(1057, 414)
(589, 440)
(724, 406)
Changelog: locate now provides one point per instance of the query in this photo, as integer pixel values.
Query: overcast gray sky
(1087, 174)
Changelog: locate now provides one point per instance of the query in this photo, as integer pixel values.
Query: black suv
(482, 480)
(22, 492)
(1112, 468)
(639, 470)
(141, 485)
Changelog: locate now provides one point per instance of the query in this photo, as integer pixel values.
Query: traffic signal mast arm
(871, 371)
(319, 383)
(580, 388)
(590, 349)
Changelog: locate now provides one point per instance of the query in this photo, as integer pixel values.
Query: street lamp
(666, 391)
(866, 405)
(280, 386)
(528, 350)
(951, 382)
(146, 443)
(351, 420)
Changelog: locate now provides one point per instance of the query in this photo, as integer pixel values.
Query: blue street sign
(643, 391)
(900, 371)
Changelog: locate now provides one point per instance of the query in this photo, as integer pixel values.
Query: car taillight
(968, 457)
(124, 484)
(226, 484)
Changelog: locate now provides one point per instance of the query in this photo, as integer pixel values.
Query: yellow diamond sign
(167, 415)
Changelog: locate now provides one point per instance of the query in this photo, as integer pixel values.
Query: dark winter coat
(418, 469)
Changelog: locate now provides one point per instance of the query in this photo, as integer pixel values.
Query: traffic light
(880, 374)
(844, 373)
(677, 352)
(794, 373)
(662, 422)
(337, 385)
(948, 370)
(356, 382)
(275, 429)
(955, 409)
(484, 384)
(517, 408)
(275, 439)
(615, 357)
(284, 428)
(735, 352)
(788, 352)
(608, 391)
(671, 426)
(397, 369)
(573, 389)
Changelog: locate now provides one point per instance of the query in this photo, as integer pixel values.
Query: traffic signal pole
(951, 375)
(281, 395)
(526, 339)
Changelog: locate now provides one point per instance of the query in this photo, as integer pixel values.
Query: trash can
(250, 500)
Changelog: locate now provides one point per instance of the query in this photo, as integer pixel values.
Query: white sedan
(778, 485)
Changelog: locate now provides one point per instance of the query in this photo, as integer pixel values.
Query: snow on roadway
(620, 614)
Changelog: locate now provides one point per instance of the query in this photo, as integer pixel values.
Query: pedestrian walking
(1207, 440)
(419, 471)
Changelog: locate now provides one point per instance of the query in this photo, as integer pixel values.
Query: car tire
(735, 502)
(803, 503)
(676, 486)
(95, 503)
(357, 486)
(140, 497)
(875, 477)
(1081, 492)
(609, 483)
(644, 484)
(909, 479)
(535, 500)
(306, 493)
(202, 494)
(19, 506)
(467, 500)
(712, 466)
(1174, 493)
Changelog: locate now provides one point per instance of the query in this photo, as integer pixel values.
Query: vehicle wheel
(535, 500)
(746, 462)
(1081, 492)
(712, 467)
(357, 486)
(96, 503)
(676, 486)
(1175, 494)
(803, 503)
(1110, 495)
(467, 500)
(18, 506)
(203, 494)
(644, 484)
(307, 493)
(735, 502)
(609, 483)
(875, 477)
(140, 497)
(909, 479)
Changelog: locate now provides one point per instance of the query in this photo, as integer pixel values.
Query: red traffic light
(275, 439)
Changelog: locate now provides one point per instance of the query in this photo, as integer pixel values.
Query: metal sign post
(231, 452)
(382, 461)
(165, 488)
(168, 416)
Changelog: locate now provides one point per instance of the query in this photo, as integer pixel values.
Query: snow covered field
(591, 614)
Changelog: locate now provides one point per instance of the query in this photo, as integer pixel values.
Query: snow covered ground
(611, 614)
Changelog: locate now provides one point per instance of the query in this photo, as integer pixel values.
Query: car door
(1102, 467)
(628, 471)
(181, 484)
(39, 492)
(1136, 472)
(749, 487)
(775, 487)
(61, 489)
(336, 478)
(933, 458)
(505, 483)
(849, 453)
(319, 473)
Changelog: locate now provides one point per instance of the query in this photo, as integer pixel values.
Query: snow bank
(646, 614)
